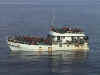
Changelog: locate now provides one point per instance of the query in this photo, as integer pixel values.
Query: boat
(64, 38)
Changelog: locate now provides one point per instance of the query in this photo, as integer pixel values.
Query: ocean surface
(33, 17)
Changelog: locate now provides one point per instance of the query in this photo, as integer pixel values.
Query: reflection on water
(61, 62)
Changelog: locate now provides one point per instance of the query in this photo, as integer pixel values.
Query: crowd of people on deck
(30, 40)
(42, 41)
(65, 29)
(48, 40)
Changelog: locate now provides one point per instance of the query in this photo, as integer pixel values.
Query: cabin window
(58, 37)
(86, 37)
(67, 45)
(53, 36)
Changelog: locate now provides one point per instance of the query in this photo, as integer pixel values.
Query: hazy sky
(53, 2)
(34, 13)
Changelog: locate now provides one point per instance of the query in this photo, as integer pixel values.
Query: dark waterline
(33, 18)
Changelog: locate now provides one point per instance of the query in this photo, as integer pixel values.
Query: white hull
(25, 47)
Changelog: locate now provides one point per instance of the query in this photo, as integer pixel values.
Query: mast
(53, 16)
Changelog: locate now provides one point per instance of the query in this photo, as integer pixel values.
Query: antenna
(53, 16)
